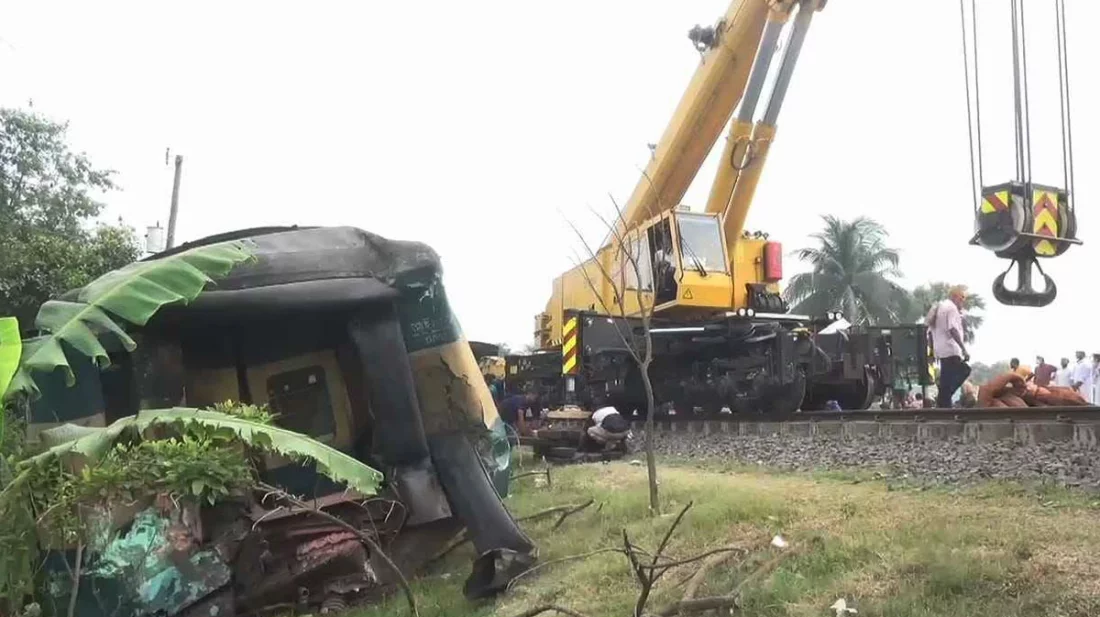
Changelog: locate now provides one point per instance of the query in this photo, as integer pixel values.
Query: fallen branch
(547, 512)
(765, 568)
(537, 472)
(699, 605)
(700, 574)
(550, 607)
(365, 538)
(568, 513)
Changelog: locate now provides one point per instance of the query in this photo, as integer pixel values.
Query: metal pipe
(171, 242)
(790, 58)
(760, 69)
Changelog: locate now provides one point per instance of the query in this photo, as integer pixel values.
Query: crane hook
(1025, 294)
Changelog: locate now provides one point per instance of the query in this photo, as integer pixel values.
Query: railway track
(990, 414)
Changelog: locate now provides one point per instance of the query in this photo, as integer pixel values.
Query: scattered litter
(779, 542)
(841, 608)
(635, 462)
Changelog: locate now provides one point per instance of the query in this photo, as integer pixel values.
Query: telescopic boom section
(747, 146)
(705, 108)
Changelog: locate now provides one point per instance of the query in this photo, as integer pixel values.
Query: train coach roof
(302, 268)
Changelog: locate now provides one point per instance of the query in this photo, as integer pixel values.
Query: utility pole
(175, 203)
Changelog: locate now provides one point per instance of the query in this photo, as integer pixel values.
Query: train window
(301, 402)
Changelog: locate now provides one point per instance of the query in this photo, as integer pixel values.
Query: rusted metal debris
(239, 558)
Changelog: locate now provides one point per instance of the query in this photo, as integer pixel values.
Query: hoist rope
(977, 90)
(1017, 98)
(974, 182)
(1027, 99)
(1063, 93)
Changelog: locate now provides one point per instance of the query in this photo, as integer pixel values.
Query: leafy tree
(49, 242)
(924, 297)
(853, 272)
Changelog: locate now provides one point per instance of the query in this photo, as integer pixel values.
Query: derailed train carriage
(348, 337)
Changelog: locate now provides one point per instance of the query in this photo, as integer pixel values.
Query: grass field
(997, 550)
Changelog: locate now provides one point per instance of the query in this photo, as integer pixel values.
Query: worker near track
(1044, 373)
(1082, 376)
(1064, 377)
(608, 429)
(945, 321)
(512, 407)
(1095, 390)
(1021, 370)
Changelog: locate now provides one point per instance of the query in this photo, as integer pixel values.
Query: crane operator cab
(678, 263)
(691, 267)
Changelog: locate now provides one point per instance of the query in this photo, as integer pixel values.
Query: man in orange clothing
(1022, 370)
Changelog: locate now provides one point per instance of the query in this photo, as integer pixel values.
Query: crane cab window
(625, 274)
(701, 243)
(663, 260)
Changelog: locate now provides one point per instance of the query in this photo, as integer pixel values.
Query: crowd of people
(1083, 375)
(953, 384)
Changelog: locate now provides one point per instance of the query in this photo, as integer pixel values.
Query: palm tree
(853, 272)
(923, 297)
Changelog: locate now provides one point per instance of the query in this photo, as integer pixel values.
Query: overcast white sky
(474, 126)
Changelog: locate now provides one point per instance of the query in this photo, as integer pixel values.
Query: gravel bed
(934, 461)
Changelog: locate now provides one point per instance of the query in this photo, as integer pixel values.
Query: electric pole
(171, 241)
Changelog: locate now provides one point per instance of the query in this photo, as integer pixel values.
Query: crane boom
(704, 109)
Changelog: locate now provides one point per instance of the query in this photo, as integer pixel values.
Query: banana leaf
(11, 348)
(93, 443)
(133, 295)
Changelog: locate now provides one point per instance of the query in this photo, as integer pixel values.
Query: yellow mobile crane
(722, 333)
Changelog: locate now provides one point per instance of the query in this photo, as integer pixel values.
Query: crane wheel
(785, 400)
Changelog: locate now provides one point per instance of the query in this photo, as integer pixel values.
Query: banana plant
(131, 295)
(11, 349)
(91, 444)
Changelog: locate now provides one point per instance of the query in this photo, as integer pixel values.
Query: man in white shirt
(608, 429)
(1064, 376)
(1082, 376)
(945, 325)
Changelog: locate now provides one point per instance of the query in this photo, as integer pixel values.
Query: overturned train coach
(772, 363)
(349, 338)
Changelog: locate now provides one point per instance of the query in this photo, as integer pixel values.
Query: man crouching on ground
(607, 431)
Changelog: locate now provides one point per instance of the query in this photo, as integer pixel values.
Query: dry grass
(994, 550)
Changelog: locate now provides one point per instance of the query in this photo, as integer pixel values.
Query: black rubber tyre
(561, 453)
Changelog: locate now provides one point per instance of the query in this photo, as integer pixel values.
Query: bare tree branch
(643, 366)
(568, 513)
(596, 292)
(552, 511)
(552, 562)
(671, 529)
